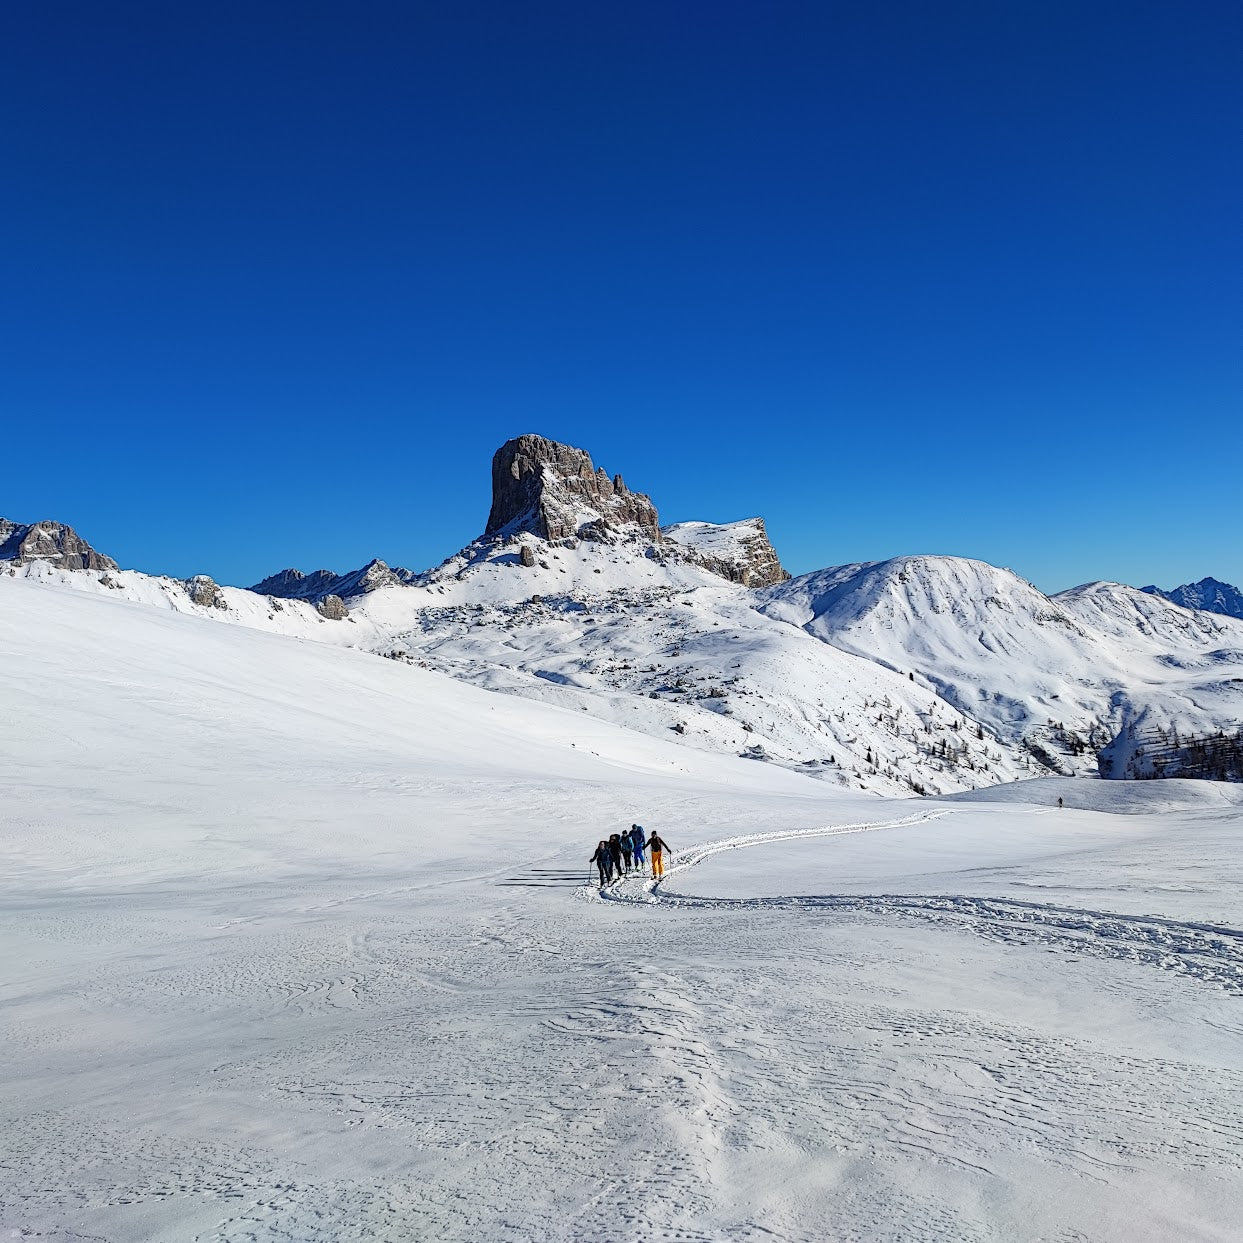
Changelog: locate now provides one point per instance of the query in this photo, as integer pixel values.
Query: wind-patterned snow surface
(297, 944)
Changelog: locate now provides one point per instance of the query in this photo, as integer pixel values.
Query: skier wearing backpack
(638, 840)
(614, 845)
(603, 859)
(657, 845)
(627, 848)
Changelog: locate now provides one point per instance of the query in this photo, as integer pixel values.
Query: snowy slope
(1065, 673)
(163, 703)
(295, 944)
(1147, 622)
(233, 606)
(704, 666)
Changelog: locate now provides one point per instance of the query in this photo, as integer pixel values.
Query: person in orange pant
(657, 845)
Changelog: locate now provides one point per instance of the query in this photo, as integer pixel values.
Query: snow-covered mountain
(1058, 676)
(1208, 594)
(919, 674)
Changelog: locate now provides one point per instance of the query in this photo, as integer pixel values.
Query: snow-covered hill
(1059, 676)
(296, 944)
(921, 674)
(159, 704)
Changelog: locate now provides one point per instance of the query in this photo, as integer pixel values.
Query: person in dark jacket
(603, 859)
(657, 845)
(627, 850)
(638, 840)
(616, 849)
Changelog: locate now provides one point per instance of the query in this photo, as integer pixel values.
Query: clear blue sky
(964, 278)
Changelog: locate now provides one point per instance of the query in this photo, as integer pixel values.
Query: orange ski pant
(658, 863)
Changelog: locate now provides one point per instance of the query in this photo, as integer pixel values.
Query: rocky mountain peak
(49, 541)
(1209, 595)
(556, 492)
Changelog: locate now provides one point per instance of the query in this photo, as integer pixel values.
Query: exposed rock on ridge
(554, 491)
(205, 592)
(738, 551)
(50, 541)
(333, 608)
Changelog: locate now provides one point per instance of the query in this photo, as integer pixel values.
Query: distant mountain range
(917, 674)
(1208, 594)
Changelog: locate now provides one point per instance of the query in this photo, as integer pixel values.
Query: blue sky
(276, 280)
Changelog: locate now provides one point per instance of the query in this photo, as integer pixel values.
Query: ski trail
(1210, 953)
(635, 889)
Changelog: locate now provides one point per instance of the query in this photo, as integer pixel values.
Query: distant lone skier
(657, 845)
(603, 859)
(1059, 802)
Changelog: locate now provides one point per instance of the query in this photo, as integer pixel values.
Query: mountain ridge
(920, 673)
(1209, 595)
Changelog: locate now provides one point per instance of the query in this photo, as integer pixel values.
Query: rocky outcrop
(294, 585)
(333, 608)
(50, 541)
(554, 491)
(738, 551)
(204, 592)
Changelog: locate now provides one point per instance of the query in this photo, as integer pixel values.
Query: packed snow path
(1209, 952)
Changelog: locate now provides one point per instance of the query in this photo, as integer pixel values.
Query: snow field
(295, 947)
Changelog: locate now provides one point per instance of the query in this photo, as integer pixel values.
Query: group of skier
(624, 853)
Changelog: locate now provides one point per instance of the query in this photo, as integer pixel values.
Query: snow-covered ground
(297, 945)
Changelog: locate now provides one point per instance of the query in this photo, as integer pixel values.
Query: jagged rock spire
(554, 491)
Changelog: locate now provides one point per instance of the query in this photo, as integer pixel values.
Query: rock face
(50, 541)
(333, 608)
(204, 592)
(738, 551)
(554, 491)
(1209, 595)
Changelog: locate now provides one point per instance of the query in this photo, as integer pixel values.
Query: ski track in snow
(1212, 953)
(625, 1095)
